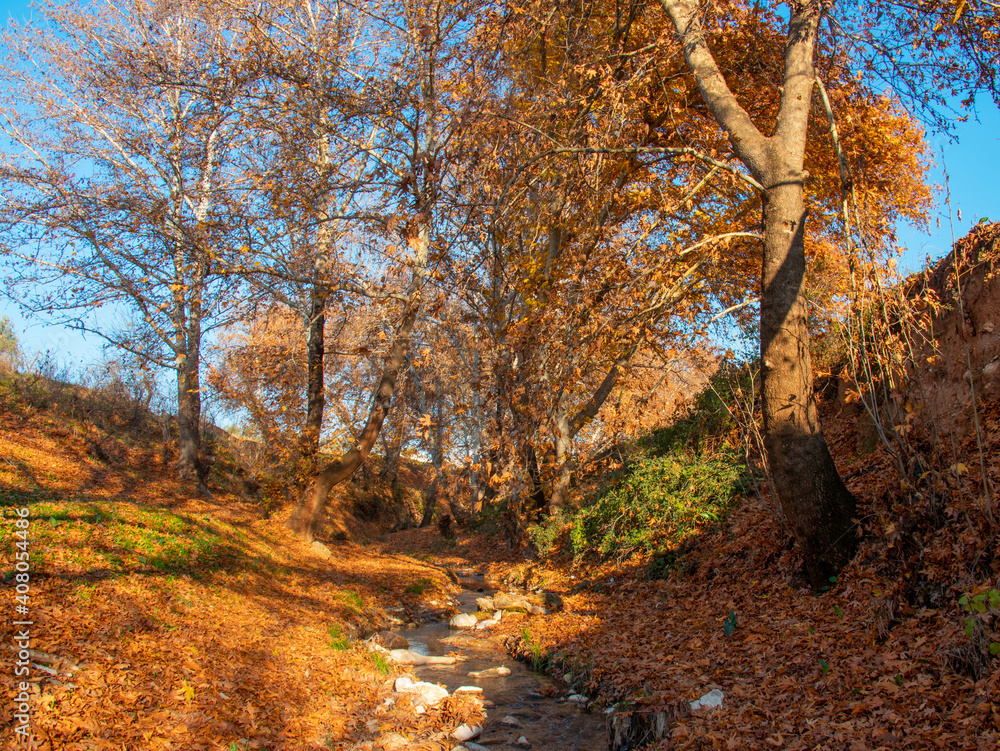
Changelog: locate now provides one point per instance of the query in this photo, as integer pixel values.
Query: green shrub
(543, 535)
(657, 498)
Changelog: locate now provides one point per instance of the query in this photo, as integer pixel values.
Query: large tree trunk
(816, 503)
(315, 387)
(189, 465)
(818, 506)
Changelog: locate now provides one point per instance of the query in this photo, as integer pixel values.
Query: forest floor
(164, 620)
(855, 667)
(894, 654)
(161, 619)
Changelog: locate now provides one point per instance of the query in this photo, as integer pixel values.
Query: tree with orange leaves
(618, 185)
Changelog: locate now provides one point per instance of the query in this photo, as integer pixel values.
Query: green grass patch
(77, 534)
(338, 641)
(420, 586)
(352, 601)
(380, 663)
(657, 501)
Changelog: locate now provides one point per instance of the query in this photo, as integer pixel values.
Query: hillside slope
(164, 620)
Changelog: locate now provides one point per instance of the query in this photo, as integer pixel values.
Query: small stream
(546, 719)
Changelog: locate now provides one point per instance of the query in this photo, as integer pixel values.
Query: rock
(577, 698)
(423, 693)
(318, 548)
(553, 602)
(487, 623)
(485, 604)
(511, 722)
(522, 742)
(465, 732)
(409, 657)
(507, 601)
(534, 609)
(499, 672)
(391, 640)
(711, 700)
(467, 690)
(463, 620)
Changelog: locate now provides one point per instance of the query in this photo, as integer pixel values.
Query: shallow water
(537, 702)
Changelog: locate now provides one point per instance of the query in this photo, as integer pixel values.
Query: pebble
(465, 732)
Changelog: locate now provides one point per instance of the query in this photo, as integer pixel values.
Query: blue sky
(972, 160)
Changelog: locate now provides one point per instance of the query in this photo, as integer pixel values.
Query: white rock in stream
(711, 700)
(487, 623)
(476, 690)
(499, 672)
(426, 694)
(409, 657)
(463, 620)
(465, 732)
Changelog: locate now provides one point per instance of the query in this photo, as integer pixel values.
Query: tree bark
(189, 463)
(818, 506)
(315, 386)
(564, 461)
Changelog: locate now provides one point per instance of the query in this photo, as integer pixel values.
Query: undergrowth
(674, 480)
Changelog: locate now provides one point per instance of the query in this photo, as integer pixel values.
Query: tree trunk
(430, 502)
(564, 464)
(816, 503)
(437, 456)
(818, 506)
(190, 466)
(315, 387)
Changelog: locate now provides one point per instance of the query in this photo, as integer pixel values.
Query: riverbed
(523, 705)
